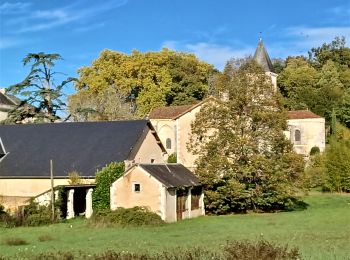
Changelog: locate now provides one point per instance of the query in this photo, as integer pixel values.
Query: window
(168, 143)
(297, 135)
(152, 160)
(137, 187)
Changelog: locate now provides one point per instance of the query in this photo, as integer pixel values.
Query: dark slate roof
(83, 147)
(302, 114)
(172, 175)
(262, 57)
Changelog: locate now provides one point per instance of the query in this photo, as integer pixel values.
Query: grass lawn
(320, 232)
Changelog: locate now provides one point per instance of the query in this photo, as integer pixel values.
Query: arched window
(168, 143)
(297, 135)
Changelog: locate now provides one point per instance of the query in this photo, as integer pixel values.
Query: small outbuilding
(170, 190)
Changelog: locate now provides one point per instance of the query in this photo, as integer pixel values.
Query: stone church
(173, 124)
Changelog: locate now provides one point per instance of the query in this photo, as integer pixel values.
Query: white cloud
(46, 19)
(13, 8)
(215, 54)
(308, 37)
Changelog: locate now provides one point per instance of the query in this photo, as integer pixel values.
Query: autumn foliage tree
(244, 160)
(145, 80)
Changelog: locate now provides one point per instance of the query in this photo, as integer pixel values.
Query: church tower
(262, 58)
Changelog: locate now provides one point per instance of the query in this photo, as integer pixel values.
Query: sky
(215, 31)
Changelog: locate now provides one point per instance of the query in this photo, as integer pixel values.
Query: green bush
(29, 215)
(137, 216)
(172, 158)
(104, 179)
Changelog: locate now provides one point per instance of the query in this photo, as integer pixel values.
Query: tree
(39, 88)
(297, 83)
(148, 80)
(244, 160)
(108, 105)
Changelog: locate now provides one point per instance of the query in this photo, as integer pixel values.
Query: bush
(14, 241)
(262, 250)
(46, 237)
(74, 178)
(30, 215)
(137, 216)
(104, 179)
(172, 158)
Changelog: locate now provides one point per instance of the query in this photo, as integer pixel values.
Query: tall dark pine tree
(43, 96)
(245, 161)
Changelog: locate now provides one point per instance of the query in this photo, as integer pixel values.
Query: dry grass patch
(45, 237)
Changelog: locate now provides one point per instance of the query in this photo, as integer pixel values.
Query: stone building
(170, 190)
(26, 151)
(173, 124)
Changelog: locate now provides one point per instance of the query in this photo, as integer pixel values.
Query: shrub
(74, 178)
(262, 250)
(14, 241)
(172, 158)
(137, 216)
(104, 179)
(30, 215)
(46, 237)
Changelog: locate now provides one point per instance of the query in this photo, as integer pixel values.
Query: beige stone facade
(137, 187)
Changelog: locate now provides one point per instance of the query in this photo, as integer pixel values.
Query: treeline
(319, 82)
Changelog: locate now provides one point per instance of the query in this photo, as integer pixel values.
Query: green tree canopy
(245, 161)
(149, 79)
(43, 96)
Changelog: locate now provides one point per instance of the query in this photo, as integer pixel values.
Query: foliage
(337, 167)
(144, 80)
(32, 214)
(137, 216)
(262, 249)
(74, 178)
(172, 158)
(43, 96)
(248, 250)
(107, 105)
(15, 241)
(244, 159)
(321, 82)
(104, 179)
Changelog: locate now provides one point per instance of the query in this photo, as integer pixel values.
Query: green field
(320, 232)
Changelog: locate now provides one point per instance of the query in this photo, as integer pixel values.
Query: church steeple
(262, 57)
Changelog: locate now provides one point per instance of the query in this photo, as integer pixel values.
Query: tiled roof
(172, 175)
(302, 114)
(170, 112)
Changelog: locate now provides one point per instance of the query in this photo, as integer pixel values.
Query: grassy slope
(321, 232)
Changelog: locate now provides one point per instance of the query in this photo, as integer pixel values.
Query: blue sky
(213, 30)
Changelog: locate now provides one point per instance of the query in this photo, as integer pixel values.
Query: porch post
(88, 200)
(70, 204)
(189, 202)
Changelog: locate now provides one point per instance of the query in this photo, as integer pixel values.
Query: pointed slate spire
(262, 57)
